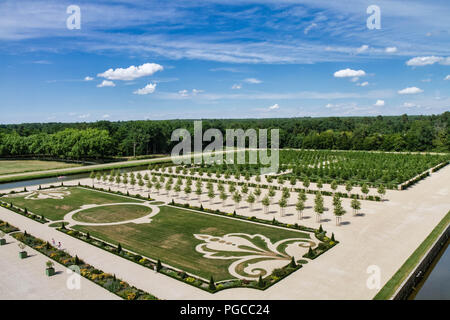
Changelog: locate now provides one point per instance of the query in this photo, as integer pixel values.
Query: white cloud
(234, 70)
(183, 93)
(410, 105)
(379, 103)
(236, 86)
(274, 107)
(106, 83)
(391, 49)
(410, 90)
(84, 116)
(106, 116)
(362, 49)
(429, 60)
(132, 72)
(345, 73)
(426, 80)
(186, 93)
(88, 78)
(447, 77)
(41, 62)
(252, 80)
(363, 84)
(149, 88)
(308, 28)
(196, 91)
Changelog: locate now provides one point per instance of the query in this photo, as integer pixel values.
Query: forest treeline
(104, 139)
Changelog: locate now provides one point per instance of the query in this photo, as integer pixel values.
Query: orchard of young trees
(104, 139)
(375, 168)
(351, 168)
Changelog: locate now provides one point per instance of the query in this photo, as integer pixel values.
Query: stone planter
(2, 242)
(23, 254)
(50, 272)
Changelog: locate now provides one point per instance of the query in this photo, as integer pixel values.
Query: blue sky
(222, 59)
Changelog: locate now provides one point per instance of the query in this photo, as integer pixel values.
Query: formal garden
(212, 250)
(214, 226)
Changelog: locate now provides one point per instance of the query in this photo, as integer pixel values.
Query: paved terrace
(26, 279)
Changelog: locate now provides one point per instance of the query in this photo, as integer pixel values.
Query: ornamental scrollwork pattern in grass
(57, 194)
(253, 255)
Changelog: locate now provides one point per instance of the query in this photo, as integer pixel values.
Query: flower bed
(6, 227)
(106, 280)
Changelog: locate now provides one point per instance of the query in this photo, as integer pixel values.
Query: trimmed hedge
(439, 167)
(414, 181)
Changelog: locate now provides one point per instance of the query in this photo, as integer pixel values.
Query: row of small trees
(251, 197)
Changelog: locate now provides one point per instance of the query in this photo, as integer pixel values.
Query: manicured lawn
(19, 166)
(56, 209)
(170, 238)
(112, 213)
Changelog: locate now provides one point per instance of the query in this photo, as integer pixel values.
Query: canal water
(436, 284)
(36, 182)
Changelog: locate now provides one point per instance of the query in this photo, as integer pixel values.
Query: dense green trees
(68, 144)
(103, 138)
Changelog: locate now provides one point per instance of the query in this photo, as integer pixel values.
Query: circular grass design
(113, 213)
